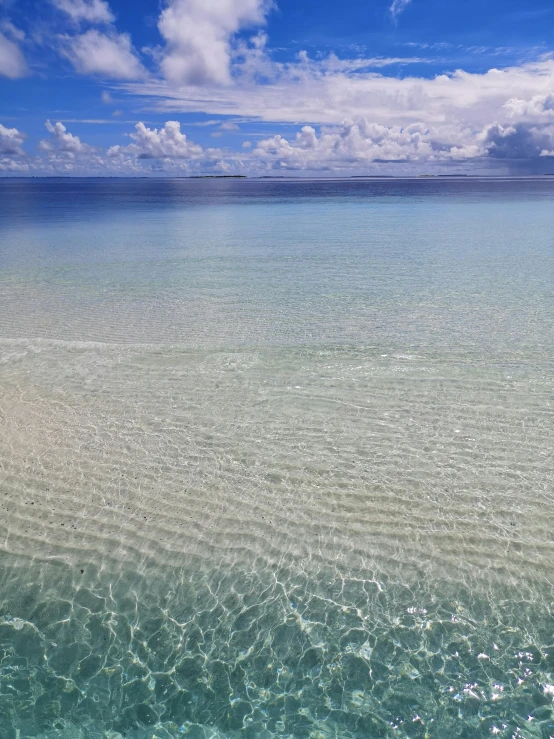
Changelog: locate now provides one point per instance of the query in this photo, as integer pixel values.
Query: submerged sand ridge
(356, 460)
(342, 542)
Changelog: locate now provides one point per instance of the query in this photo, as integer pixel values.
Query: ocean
(276, 458)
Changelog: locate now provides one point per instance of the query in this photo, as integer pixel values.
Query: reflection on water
(265, 653)
(275, 460)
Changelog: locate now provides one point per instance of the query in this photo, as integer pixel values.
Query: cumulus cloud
(90, 11)
(167, 142)
(365, 115)
(108, 54)
(539, 106)
(8, 164)
(354, 145)
(11, 141)
(520, 141)
(12, 61)
(361, 142)
(198, 35)
(357, 143)
(62, 142)
(152, 151)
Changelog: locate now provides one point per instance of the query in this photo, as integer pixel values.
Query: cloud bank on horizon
(260, 87)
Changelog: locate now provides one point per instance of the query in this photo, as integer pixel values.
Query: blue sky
(114, 87)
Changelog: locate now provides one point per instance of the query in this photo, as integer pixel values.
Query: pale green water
(276, 460)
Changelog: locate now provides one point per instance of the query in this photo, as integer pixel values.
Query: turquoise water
(276, 459)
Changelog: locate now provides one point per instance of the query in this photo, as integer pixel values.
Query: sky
(276, 87)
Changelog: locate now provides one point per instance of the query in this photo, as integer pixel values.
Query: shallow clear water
(276, 459)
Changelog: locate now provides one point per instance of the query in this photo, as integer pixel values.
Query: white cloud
(199, 34)
(152, 151)
(520, 141)
(539, 106)
(306, 92)
(12, 31)
(499, 115)
(358, 143)
(91, 11)
(398, 6)
(332, 63)
(362, 142)
(11, 141)
(108, 54)
(352, 117)
(167, 142)
(222, 166)
(62, 142)
(12, 61)
(355, 145)
(13, 165)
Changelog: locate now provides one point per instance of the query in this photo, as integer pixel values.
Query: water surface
(276, 459)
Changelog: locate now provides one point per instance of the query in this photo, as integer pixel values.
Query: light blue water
(276, 459)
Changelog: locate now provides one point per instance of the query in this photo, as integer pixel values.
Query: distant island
(217, 177)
